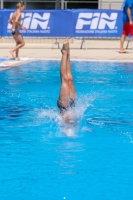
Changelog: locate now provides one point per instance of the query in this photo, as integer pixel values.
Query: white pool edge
(29, 60)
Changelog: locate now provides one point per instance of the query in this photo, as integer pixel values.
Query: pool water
(3, 59)
(38, 161)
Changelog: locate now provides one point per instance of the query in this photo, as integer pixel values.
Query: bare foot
(17, 59)
(11, 52)
(122, 51)
(65, 46)
(68, 48)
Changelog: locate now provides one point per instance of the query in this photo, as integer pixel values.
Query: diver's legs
(70, 78)
(64, 89)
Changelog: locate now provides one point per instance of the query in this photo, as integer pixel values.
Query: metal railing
(100, 3)
(64, 3)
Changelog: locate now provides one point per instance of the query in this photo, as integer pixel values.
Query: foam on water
(75, 115)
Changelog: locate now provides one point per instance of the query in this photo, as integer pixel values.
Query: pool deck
(97, 50)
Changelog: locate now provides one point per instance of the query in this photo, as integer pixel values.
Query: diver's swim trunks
(62, 108)
(17, 36)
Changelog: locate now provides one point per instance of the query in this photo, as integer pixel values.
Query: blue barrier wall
(97, 23)
(66, 23)
(1, 23)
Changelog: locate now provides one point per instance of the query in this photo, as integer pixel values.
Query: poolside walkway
(96, 50)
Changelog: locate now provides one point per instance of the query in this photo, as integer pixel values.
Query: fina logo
(33, 20)
(96, 20)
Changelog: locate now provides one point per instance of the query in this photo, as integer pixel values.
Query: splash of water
(69, 123)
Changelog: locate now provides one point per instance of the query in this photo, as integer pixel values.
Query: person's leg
(17, 56)
(125, 32)
(70, 78)
(15, 38)
(123, 37)
(18, 47)
(17, 50)
(20, 43)
(64, 89)
(12, 53)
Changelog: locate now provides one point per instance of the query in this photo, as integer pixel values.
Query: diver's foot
(68, 48)
(68, 51)
(65, 46)
(11, 52)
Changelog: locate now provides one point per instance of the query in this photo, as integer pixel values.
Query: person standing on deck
(127, 7)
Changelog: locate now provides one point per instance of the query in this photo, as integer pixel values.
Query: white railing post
(2, 4)
(99, 4)
(110, 6)
(25, 2)
(62, 4)
(57, 4)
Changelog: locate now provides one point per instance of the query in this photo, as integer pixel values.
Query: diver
(67, 95)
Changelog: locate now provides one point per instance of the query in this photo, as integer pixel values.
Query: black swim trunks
(17, 36)
(62, 108)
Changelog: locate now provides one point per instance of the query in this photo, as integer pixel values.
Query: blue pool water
(3, 59)
(38, 161)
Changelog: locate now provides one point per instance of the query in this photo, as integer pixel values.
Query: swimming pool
(3, 59)
(38, 161)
